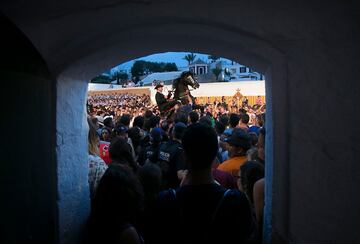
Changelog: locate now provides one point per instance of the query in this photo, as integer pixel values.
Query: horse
(181, 89)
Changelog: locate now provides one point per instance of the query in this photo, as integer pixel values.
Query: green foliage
(213, 58)
(216, 72)
(190, 58)
(102, 79)
(141, 67)
(120, 77)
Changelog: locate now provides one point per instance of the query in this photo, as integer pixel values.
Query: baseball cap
(120, 129)
(156, 134)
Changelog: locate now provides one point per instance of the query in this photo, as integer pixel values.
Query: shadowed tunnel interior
(307, 51)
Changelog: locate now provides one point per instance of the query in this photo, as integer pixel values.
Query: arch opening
(253, 52)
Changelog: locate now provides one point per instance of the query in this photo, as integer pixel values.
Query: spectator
(258, 196)
(233, 123)
(118, 200)
(150, 178)
(261, 146)
(201, 211)
(223, 178)
(109, 123)
(224, 119)
(258, 101)
(193, 117)
(121, 153)
(250, 172)
(255, 128)
(239, 143)
(206, 120)
(105, 134)
(244, 120)
(97, 166)
(171, 160)
(253, 139)
(252, 154)
(125, 120)
(151, 152)
(139, 121)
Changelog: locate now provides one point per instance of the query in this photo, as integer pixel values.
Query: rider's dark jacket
(160, 100)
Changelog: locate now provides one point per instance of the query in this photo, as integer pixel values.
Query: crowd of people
(196, 176)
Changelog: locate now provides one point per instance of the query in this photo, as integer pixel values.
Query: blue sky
(171, 57)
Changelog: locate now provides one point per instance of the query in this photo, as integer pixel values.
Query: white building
(199, 67)
(232, 71)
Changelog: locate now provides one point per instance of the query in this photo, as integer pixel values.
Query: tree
(190, 58)
(120, 77)
(170, 67)
(102, 79)
(138, 69)
(213, 58)
(141, 67)
(217, 72)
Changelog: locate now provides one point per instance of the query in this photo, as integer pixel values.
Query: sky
(171, 57)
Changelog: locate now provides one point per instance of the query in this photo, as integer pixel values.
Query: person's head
(224, 119)
(125, 120)
(135, 135)
(239, 142)
(179, 130)
(249, 173)
(261, 119)
(154, 121)
(105, 134)
(253, 139)
(121, 153)
(95, 122)
(108, 122)
(164, 125)
(120, 131)
(234, 120)
(245, 119)
(221, 109)
(200, 146)
(180, 117)
(159, 88)
(93, 140)
(193, 117)
(206, 120)
(119, 196)
(242, 111)
(155, 136)
(219, 128)
(139, 121)
(150, 177)
(148, 114)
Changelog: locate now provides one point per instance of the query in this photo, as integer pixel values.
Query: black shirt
(150, 152)
(171, 160)
(202, 214)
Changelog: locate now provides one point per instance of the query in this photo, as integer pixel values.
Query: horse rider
(164, 104)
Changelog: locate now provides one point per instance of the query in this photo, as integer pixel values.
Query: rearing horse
(181, 89)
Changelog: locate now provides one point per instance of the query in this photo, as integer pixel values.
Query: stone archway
(72, 85)
(308, 51)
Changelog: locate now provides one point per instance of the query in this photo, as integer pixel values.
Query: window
(242, 69)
